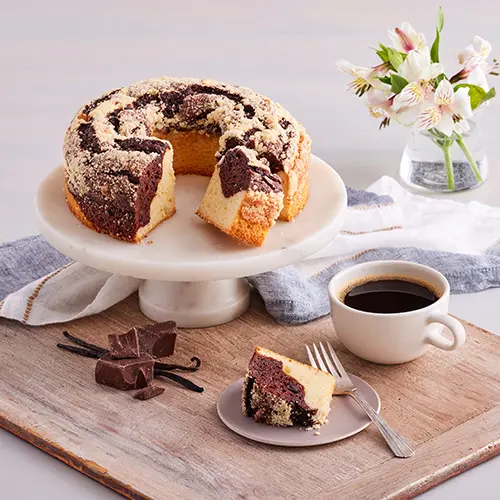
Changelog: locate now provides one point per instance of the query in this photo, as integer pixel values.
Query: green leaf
(440, 20)
(385, 79)
(395, 58)
(439, 28)
(398, 83)
(435, 49)
(439, 79)
(489, 95)
(388, 54)
(382, 52)
(476, 94)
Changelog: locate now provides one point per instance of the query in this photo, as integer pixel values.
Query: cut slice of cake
(280, 391)
(244, 198)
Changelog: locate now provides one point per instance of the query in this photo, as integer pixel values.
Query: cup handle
(453, 325)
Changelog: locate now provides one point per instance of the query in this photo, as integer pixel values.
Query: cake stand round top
(186, 248)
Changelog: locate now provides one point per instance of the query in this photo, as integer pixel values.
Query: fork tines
(327, 362)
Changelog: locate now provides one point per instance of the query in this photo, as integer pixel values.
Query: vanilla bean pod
(180, 380)
(88, 353)
(170, 367)
(101, 350)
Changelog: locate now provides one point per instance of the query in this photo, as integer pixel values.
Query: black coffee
(389, 296)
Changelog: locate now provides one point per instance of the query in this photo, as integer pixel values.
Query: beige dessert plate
(346, 419)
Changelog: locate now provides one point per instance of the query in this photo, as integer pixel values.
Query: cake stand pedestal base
(195, 304)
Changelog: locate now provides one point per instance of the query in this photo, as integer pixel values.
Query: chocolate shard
(125, 345)
(151, 391)
(158, 339)
(125, 374)
(143, 379)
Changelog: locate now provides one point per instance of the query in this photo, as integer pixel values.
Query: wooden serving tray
(175, 446)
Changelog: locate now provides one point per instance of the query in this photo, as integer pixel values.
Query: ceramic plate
(345, 419)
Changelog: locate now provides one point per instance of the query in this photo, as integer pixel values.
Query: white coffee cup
(396, 337)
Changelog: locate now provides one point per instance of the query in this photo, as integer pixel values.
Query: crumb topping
(111, 139)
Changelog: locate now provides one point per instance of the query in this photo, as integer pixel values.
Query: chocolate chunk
(158, 339)
(125, 374)
(142, 379)
(125, 345)
(151, 391)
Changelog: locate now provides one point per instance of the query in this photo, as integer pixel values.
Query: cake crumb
(314, 427)
(317, 433)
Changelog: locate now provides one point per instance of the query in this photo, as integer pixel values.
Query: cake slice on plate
(280, 391)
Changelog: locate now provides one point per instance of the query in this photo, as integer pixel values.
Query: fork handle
(396, 443)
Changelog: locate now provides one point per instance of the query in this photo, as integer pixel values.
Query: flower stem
(468, 155)
(448, 163)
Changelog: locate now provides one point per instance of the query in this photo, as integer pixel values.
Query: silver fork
(344, 385)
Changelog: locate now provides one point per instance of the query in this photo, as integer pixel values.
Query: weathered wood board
(175, 446)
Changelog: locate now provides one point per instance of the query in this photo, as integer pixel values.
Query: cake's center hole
(194, 153)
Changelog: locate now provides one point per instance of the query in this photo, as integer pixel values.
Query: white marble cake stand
(193, 272)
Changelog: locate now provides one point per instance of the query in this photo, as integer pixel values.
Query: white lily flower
(475, 63)
(418, 70)
(406, 39)
(419, 67)
(478, 77)
(450, 111)
(479, 49)
(407, 116)
(413, 94)
(364, 78)
(379, 103)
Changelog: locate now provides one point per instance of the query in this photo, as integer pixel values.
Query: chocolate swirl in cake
(238, 174)
(267, 372)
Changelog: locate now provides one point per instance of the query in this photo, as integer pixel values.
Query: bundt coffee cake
(123, 150)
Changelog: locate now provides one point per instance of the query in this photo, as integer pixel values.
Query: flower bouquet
(410, 86)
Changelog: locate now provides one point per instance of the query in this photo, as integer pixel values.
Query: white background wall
(55, 56)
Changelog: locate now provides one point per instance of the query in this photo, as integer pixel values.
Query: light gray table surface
(55, 56)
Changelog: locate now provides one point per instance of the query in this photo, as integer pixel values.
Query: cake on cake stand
(194, 273)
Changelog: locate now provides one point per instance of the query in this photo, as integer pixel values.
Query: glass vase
(432, 162)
